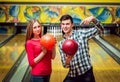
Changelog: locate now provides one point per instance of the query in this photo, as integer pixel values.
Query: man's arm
(98, 25)
(96, 22)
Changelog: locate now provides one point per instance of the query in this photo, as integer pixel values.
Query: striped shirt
(80, 62)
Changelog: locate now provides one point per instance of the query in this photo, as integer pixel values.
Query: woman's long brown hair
(29, 29)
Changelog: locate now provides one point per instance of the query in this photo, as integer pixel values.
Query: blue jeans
(87, 77)
(40, 78)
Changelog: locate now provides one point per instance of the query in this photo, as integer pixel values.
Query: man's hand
(68, 59)
(97, 23)
(88, 20)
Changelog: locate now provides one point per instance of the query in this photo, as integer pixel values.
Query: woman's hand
(44, 50)
(41, 55)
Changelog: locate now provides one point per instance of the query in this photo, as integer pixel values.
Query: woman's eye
(34, 27)
(39, 26)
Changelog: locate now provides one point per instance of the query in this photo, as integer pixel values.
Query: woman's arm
(41, 55)
(54, 52)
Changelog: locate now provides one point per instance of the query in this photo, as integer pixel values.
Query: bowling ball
(70, 47)
(48, 41)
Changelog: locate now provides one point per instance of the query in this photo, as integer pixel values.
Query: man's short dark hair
(66, 17)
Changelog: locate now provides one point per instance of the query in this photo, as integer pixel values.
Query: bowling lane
(105, 68)
(9, 53)
(58, 73)
(112, 39)
(4, 37)
(6, 32)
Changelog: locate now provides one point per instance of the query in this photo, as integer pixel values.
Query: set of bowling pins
(55, 30)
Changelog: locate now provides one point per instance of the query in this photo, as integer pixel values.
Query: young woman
(38, 57)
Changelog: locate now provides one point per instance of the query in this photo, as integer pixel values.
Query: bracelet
(99, 25)
(97, 22)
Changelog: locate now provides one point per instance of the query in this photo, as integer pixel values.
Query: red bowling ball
(70, 47)
(48, 41)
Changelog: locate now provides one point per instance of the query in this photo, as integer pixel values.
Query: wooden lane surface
(4, 37)
(105, 68)
(9, 53)
(113, 39)
(58, 73)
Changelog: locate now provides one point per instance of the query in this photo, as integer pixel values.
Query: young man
(80, 68)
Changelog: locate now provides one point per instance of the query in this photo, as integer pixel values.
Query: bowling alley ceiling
(65, 1)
